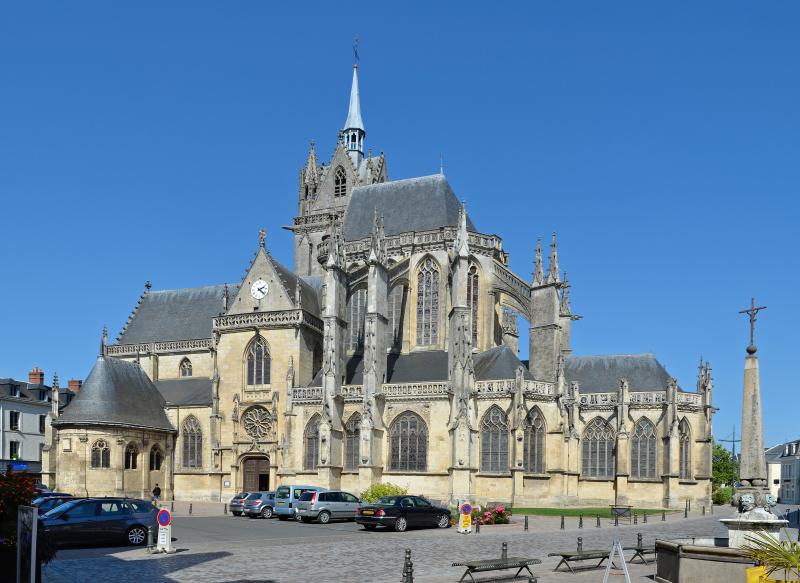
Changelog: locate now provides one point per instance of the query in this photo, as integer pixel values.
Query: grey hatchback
(100, 520)
(325, 506)
(259, 504)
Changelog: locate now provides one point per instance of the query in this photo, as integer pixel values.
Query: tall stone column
(287, 462)
(623, 457)
(545, 343)
(753, 463)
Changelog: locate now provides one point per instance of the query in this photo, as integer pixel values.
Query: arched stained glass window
(472, 302)
(258, 362)
(643, 450)
(533, 442)
(101, 454)
(156, 458)
(494, 441)
(428, 303)
(409, 443)
(131, 456)
(339, 182)
(356, 313)
(396, 312)
(598, 450)
(685, 449)
(186, 368)
(192, 443)
(311, 442)
(352, 442)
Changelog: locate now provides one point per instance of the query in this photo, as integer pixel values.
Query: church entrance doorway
(256, 474)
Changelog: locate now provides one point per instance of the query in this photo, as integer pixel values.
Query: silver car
(327, 506)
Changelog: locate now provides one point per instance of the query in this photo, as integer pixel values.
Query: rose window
(257, 422)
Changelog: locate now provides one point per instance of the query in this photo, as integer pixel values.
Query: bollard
(639, 540)
(504, 551)
(580, 544)
(686, 512)
(172, 507)
(689, 505)
(616, 519)
(663, 515)
(526, 522)
(704, 510)
(562, 522)
(712, 508)
(598, 522)
(580, 521)
(644, 517)
(635, 518)
(225, 509)
(190, 508)
(151, 537)
(478, 526)
(408, 568)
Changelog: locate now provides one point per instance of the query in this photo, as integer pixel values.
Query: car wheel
(324, 517)
(443, 522)
(266, 512)
(400, 524)
(137, 535)
(236, 513)
(368, 526)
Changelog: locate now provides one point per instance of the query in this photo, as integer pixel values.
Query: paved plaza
(214, 548)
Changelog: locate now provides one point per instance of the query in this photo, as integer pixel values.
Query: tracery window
(685, 449)
(409, 445)
(186, 368)
(428, 303)
(156, 458)
(316, 363)
(598, 450)
(339, 182)
(257, 422)
(472, 302)
(643, 450)
(356, 313)
(533, 442)
(311, 439)
(258, 362)
(397, 308)
(352, 442)
(131, 456)
(101, 454)
(494, 441)
(192, 443)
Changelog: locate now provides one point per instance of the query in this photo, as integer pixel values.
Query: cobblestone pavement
(351, 555)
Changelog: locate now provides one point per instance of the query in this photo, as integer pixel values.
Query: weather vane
(355, 50)
(751, 312)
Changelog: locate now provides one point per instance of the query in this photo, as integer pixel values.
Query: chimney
(75, 385)
(36, 376)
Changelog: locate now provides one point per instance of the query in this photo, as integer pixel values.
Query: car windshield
(254, 496)
(388, 500)
(306, 496)
(61, 508)
(141, 506)
(282, 493)
(242, 495)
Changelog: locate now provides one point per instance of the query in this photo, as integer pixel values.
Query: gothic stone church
(388, 353)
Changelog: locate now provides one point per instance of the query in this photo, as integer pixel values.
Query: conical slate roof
(117, 393)
(354, 121)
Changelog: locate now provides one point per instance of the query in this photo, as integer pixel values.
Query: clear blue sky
(660, 140)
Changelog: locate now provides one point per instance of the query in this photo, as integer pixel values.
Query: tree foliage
(375, 491)
(724, 469)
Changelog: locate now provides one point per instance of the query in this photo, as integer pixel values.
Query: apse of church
(388, 353)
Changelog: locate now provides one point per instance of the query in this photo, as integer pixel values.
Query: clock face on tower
(259, 289)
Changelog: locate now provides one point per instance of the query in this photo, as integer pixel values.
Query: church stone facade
(388, 353)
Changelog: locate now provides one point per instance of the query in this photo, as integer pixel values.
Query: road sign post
(164, 543)
(465, 518)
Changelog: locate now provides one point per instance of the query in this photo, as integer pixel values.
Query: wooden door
(256, 474)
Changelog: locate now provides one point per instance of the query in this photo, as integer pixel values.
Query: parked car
(259, 504)
(100, 520)
(46, 504)
(400, 512)
(287, 497)
(38, 487)
(237, 503)
(326, 506)
(51, 494)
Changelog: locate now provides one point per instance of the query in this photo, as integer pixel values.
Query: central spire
(353, 132)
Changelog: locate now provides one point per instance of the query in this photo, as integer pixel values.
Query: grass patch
(586, 512)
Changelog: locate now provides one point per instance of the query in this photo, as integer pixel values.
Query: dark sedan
(46, 504)
(100, 520)
(400, 512)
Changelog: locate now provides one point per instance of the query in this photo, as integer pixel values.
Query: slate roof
(177, 314)
(117, 393)
(774, 454)
(498, 363)
(308, 294)
(185, 391)
(26, 390)
(414, 204)
(601, 374)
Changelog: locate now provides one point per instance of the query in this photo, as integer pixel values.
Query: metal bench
(641, 550)
(623, 512)
(504, 562)
(580, 554)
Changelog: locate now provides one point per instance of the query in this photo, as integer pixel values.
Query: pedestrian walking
(156, 494)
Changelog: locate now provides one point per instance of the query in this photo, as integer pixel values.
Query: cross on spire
(355, 51)
(751, 312)
(262, 237)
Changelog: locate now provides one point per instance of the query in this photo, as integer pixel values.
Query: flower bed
(496, 515)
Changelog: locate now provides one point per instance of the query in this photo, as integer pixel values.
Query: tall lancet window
(533, 442)
(339, 182)
(311, 442)
(685, 449)
(643, 451)
(192, 443)
(408, 445)
(397, 308)
(598, 450)
(494, 441)
(472, 302)
(258, 362)
(186, 368)
(352, 442)
(356, 313)
(428, 303)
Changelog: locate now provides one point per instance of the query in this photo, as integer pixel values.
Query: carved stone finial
(262, 237)
(147, 285)
(538, 269)
(104, 342)
(552, 275)
(225, 298)
(55, 381)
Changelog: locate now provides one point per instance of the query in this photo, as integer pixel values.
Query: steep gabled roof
(117, 393)
(498, 363)
(599, 374)
(415, 204)
(185, 391)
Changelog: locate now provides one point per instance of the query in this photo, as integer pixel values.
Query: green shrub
(377, 490)
(722, 496)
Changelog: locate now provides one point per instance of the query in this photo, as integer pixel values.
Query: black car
(100, 520)
(400, 512)
(46, 504)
